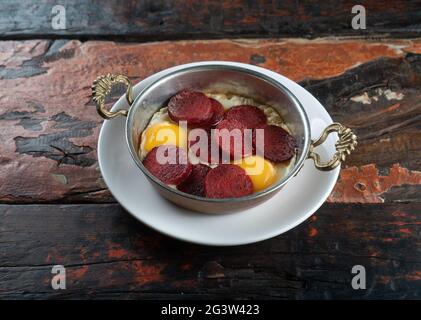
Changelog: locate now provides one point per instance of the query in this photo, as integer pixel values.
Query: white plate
(297, 201)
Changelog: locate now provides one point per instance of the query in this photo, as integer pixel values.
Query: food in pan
(216, 145)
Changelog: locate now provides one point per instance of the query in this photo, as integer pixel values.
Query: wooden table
(56, 210)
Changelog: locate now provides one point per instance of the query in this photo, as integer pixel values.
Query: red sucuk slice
(195, 182)
(175, 170)
(203, 144)
(234, 139)
(279, 145)
(218, 112)
(190, 106)
(250, 116)
(227, 181)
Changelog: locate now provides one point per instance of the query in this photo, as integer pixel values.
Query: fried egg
(161, 130)
(263, 173)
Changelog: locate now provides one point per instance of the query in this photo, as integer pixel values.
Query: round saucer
(297, 201)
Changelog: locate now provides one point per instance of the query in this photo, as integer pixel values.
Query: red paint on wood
(313, 232)
(78, 273)
(117, 251)
(413, 276)
(365, 185)
(146, 273)
(65, 88)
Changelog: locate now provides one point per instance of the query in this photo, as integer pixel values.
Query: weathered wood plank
(108, 254)
(159, 20)
(381, 101)
(49, 126)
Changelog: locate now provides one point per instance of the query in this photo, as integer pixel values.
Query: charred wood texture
(108, 254)
(48, 121)
(56, 210)
(170, 20)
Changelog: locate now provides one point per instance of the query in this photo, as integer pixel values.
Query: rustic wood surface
(49, 125)
(108, 254)
(180, 19)
(56, 209)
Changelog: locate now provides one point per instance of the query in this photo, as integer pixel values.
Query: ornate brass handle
(345, 144)
(102, 87)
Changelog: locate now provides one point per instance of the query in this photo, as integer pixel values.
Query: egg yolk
(164, 133)
(261, 172)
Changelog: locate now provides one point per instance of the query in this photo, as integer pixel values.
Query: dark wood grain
(49, 125)
(159, 20)
(108, 254)
(49, 131)
(381, 102)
